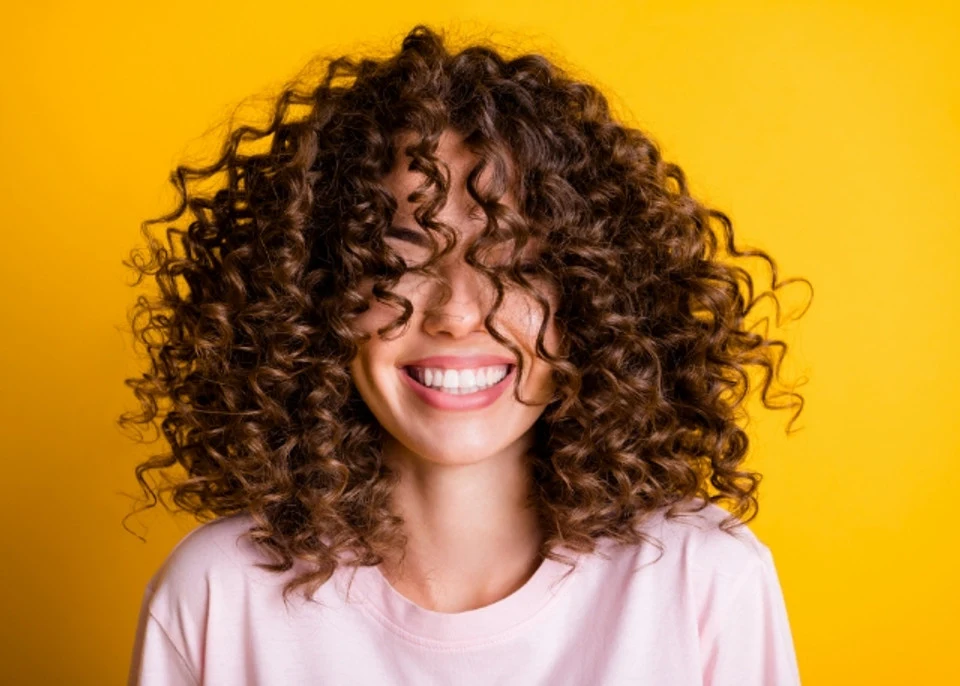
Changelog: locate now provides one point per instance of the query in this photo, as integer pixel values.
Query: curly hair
(253, 330)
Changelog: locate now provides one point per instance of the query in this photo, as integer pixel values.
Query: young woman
(456, 359)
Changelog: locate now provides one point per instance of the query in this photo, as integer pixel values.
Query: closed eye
(421, 240)
(408, 235)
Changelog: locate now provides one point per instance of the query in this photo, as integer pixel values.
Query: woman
(457, 360)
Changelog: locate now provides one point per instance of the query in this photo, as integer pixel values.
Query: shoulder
(695, 541)
(209, 546)
(212, 553)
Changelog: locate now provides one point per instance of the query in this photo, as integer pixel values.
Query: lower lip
(448, 401)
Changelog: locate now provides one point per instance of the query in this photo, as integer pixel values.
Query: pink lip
(459, 362)
(446, 401)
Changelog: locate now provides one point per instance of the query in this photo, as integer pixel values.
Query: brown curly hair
(251, 349)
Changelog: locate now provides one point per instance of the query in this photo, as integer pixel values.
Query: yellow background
(827, 131)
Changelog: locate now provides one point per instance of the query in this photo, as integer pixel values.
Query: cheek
(378, 314)
(524, 316)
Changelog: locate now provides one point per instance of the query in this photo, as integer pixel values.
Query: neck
(471, 539)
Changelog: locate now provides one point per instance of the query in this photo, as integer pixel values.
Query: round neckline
(409, 619)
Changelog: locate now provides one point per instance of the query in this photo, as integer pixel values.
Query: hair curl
(252, 354)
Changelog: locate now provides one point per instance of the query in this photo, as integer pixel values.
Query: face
(427, 423)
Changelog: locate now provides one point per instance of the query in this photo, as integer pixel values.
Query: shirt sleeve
(749, 643)
(156, 659)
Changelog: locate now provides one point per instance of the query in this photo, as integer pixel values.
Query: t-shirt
(708, 612)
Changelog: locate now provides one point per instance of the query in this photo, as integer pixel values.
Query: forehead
(460, 160)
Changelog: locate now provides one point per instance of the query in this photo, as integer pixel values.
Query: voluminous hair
(253, 330)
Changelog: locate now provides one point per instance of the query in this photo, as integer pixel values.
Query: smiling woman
(462, 343)
(448, 407)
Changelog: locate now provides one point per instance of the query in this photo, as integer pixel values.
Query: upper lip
(459, 361)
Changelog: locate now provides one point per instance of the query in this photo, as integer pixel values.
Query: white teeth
(462, 381)
(450, 379)
(467, 378)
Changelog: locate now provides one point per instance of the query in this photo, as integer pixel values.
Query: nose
(463, 310)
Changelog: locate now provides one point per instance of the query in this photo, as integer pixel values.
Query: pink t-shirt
(709, 612)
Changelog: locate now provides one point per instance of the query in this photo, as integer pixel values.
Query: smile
(459, 381)
(458, 389)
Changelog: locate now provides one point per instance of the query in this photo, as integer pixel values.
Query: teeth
(459, 382)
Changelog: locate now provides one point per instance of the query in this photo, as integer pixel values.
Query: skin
(464, 474)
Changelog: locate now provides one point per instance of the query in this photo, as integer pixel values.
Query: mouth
(409, 371)
(472, 400)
